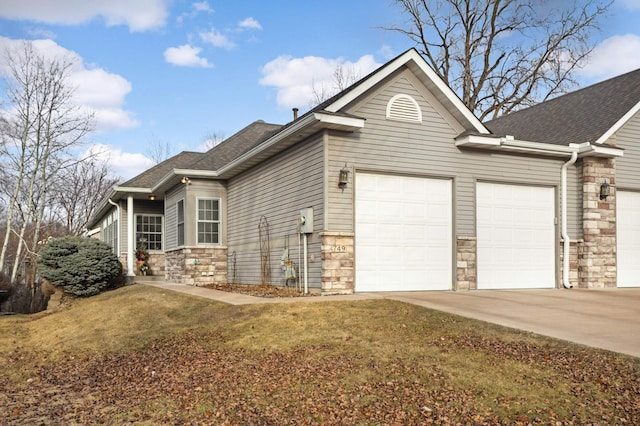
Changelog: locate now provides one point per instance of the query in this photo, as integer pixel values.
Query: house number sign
(338, 249)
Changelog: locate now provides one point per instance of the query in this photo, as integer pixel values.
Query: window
(110, 230)
(180, 207)
(149, 231)
(208, 221)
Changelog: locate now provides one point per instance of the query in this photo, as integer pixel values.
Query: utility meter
(305, 221)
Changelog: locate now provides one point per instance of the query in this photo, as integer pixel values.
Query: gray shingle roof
(581, 116)
(151, 176)
(236, 145)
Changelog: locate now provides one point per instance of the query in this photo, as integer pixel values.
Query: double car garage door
(404, 234)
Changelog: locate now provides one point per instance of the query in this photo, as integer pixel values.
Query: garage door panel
(628, 238)
(515, 236)
(411, 229)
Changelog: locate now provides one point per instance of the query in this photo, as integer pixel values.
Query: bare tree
(159, 150)
(78, 191)
(212, 139)
(38, 130)
(343, 77)
(501, 55)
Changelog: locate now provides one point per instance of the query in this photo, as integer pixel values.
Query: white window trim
(162, 231)
(219, 221)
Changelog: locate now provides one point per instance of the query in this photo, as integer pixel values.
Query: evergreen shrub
(81, 266)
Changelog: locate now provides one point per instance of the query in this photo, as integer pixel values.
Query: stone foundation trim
(338, 270)
(466, 263)
(197, 266)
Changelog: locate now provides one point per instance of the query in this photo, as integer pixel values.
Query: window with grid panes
(149, 231)
(208, 221)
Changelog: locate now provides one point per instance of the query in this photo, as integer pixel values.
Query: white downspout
(118, 249)
(130, 237)
(566, 246)
(306, 274)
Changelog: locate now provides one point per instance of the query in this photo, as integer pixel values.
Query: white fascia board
(342, 121)
(93, 231)
(294, 128)
(538, 147)
(508, 143)
(388, 69)
(587, 149)
(183, 172)
(477, 141)
(132, 190)
(602, 139)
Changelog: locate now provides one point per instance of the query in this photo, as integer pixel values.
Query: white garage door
(515, 231)
(628, 235)
(403, 233)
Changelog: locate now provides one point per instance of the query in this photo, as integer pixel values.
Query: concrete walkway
(601, 318)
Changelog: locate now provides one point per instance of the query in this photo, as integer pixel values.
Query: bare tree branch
(502, 55)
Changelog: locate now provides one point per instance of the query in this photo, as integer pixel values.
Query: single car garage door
(628, 235)
(516, 239)
(403, 233)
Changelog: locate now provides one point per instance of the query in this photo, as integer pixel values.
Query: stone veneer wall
(197, 266)
(466, 271)
(574, 249)
(597, 255)
(338, 271)
(156, 263)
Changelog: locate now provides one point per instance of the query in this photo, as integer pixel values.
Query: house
(393, 184)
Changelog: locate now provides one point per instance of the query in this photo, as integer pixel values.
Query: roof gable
(592, 114)
(412, 60)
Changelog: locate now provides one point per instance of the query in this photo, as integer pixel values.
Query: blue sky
(176, 72)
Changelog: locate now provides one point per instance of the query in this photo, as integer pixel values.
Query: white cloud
(216, 38)
(296, 78)
(96, 90)
(186, 56)
(250, 23)
(122, 164)
(202, 6)
(138, 15)
(614, 56)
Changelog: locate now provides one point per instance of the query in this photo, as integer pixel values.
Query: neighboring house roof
(150, 176)
(591, 114)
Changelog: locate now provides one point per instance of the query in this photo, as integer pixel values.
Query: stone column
(597, 257)
(466, 271)
(338, 271)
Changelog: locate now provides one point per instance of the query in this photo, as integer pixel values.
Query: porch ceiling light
(605, 191)
(152, 197)
(343, 179)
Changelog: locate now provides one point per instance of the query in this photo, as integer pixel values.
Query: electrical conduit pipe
(565, 234)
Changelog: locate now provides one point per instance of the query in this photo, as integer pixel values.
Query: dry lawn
(141, 355)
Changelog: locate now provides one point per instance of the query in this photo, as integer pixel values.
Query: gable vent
(404, 108)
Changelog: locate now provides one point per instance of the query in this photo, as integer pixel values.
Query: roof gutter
(510, 144)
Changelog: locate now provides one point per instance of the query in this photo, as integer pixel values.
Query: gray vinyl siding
(428, 149)
(278, 189)
(628, 166)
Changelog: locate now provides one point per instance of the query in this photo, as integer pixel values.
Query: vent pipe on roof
(295, 114)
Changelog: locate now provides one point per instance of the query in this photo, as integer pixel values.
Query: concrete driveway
(601, 318)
